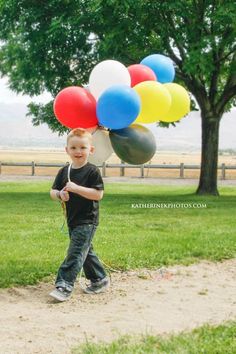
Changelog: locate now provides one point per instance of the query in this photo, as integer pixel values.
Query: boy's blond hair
(80, 132)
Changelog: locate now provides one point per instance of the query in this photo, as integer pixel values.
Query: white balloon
(106, 74)
(92, 129)
(103, 147)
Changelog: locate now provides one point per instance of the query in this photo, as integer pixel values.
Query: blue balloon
(162, 66)
(118, 107)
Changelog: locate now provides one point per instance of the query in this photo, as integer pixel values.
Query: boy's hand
(71, 187)
(64, 195)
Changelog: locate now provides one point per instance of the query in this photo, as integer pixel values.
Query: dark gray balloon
(135, 144)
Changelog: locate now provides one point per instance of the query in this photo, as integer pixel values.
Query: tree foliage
(47, 45)
(199, 36)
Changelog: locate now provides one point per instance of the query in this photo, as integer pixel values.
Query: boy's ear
(66, 149)
(92, 149)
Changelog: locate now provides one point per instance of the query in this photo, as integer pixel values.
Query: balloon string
(63, 204)
(68, 173)
(148, 169)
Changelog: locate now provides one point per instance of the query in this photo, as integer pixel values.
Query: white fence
(122, 166)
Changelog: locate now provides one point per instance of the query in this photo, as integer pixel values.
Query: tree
(199, 36)
(52, 44)
(45, 45)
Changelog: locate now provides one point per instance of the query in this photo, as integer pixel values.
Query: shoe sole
(58, 297)
(99, 291)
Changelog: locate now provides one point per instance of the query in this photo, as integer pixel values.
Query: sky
(8, 96)
(186, 136)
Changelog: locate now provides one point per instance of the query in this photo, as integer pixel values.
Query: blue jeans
(80, 254)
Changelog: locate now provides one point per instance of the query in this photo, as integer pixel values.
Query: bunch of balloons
(121, 99)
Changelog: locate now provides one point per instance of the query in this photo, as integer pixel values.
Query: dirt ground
(138, 302)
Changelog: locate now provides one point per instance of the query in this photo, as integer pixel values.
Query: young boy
(80, 186)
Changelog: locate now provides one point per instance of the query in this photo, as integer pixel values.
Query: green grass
(208, 340)
(32, 245)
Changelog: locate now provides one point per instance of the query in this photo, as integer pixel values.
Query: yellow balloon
(180, 105)
(155, 101)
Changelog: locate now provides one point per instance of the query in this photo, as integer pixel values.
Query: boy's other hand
(64, 195)
(71, 187)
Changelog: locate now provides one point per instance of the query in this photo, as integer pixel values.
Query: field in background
(60, 156)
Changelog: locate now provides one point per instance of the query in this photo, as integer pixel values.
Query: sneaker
(98, 287)
(60, 294)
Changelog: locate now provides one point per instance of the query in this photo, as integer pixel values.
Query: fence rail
(181, 167)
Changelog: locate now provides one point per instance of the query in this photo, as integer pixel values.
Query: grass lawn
(208, 340)
(32, 245)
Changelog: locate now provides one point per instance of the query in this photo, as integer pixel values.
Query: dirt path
(178, 298)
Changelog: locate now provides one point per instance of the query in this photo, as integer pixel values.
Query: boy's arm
(55, 194)
(57, 191)
(89, 193)
(63, 195)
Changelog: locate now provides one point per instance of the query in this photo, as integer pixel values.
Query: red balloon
(75, 107)
(140, 73)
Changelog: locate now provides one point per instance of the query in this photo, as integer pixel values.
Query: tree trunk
(209, 156)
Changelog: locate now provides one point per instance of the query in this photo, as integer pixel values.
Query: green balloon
(135, 144)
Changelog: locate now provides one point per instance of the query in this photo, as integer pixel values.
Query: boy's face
(79, 149)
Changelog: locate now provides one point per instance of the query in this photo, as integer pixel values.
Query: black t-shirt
(80, 210)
